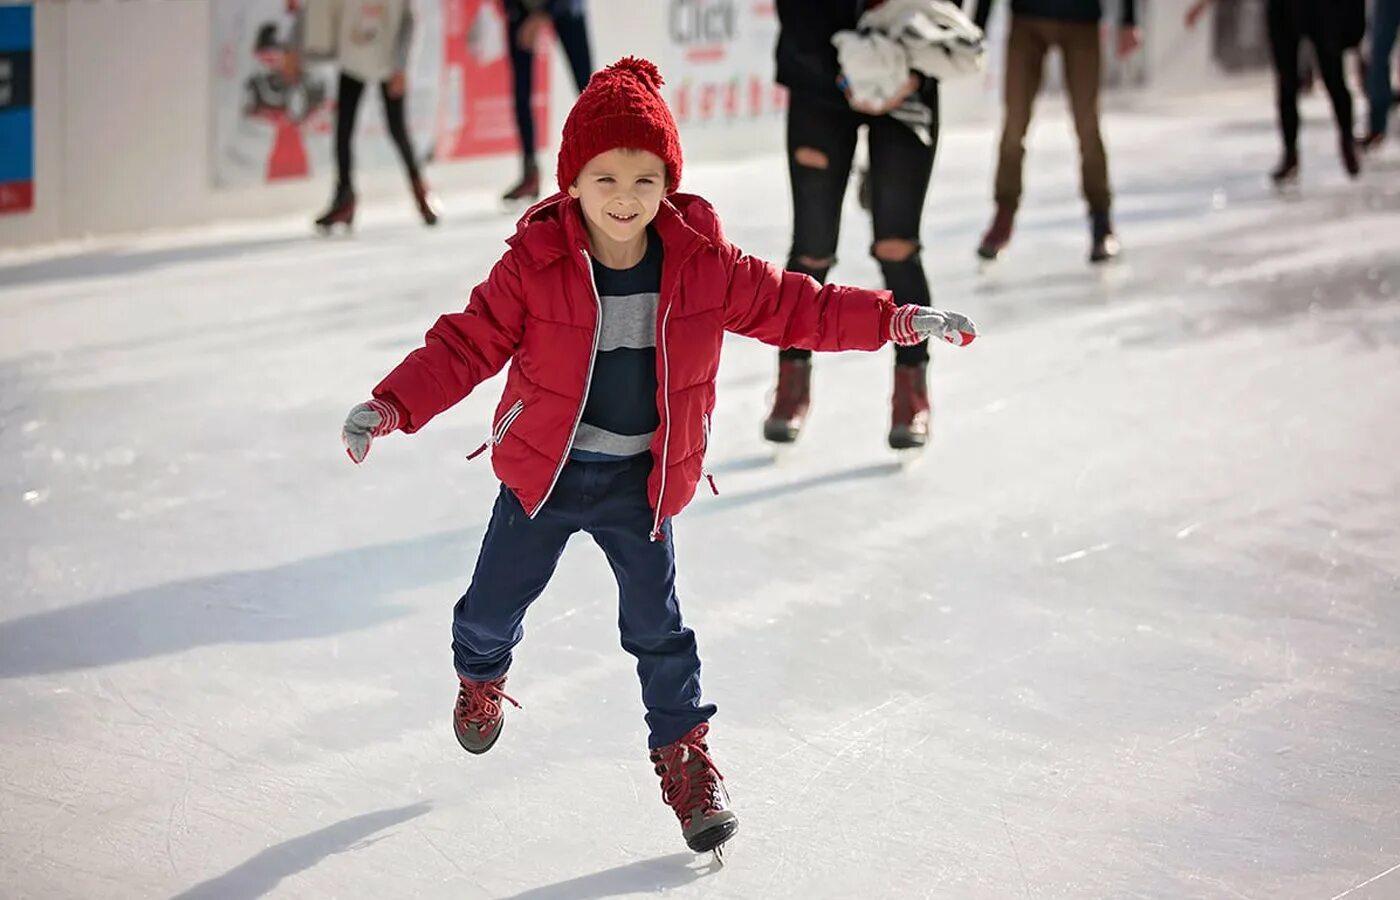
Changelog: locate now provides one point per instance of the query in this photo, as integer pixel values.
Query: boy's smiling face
(620, 192)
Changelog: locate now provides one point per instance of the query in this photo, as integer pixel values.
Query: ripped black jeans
(900, 168)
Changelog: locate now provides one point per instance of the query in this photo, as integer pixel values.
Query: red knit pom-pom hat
(620, 107)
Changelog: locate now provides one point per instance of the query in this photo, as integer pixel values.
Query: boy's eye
(645, 180)
(605, 179)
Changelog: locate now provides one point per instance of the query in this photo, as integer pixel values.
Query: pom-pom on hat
(620, 107)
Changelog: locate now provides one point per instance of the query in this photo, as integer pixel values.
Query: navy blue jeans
(571, 26)
(518, 555)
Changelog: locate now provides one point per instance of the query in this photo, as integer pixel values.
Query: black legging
(347, 107)
(1317, 20)
(900, 168)
(572, 28)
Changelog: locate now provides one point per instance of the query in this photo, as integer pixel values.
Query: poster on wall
(16, 108)
(267, 129)
(719, 63)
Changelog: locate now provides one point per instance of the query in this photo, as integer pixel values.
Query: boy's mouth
(623, 219)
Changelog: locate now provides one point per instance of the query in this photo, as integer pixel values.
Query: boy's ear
(573, 189)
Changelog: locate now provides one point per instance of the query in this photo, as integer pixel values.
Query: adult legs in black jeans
(1289, 22)
(821, 141)
(348, 94)
(571, 26)
(347, 110)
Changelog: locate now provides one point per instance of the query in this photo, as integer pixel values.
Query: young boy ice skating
(611, 305)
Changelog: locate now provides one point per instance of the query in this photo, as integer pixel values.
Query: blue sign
(16, 107)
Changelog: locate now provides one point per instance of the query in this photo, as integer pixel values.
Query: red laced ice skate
(791, 401)
(478, 718)
(694, 789)
(910, 408)
(341, 212)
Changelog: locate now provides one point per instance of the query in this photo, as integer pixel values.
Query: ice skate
(998, 236)
(910, 409)
(694, 789)
(791, 401)
(427, 203)
(1285, 174)
(526, 191)
(478, 718)
(1103, 243)
(1351, 160)
(341, 212)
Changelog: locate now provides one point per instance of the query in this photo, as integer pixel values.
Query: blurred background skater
(369, 41)
(1380, 92)
(884, 79)
(1037, 27)
(529, 20)
(1330, 26)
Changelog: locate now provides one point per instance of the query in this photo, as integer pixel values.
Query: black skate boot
(998, 234)
(528, 190)
(1351, 161)
(341, 212)
(791, 401)
(478, 718)
(910, 409)
(427, 203)
(1103, 243)
(694, 789)
(1286, 172)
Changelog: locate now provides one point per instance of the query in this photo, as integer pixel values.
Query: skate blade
(781, 452)
(347, 229)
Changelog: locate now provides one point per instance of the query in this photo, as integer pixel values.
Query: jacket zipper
(666, 434)
(704, 454)
(498, 431)
(587, 383)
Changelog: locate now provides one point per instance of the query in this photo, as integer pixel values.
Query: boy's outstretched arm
(790, 309)
(459, 352)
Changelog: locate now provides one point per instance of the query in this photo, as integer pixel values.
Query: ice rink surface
(1129, 628)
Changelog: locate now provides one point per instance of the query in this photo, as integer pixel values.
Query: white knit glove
(913, 324)
(366, 422)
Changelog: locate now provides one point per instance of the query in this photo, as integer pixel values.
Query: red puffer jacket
(538, 308)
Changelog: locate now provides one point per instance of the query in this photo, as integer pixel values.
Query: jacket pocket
(498, 433)
(498, 430)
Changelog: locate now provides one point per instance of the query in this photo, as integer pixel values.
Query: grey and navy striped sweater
(620, 415)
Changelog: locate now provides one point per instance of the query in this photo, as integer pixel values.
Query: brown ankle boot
(790, 401)
(909, 408)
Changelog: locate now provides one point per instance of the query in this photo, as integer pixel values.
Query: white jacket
(932, 37)
(368, 38)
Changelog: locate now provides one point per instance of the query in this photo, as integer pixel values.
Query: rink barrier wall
(123, 108)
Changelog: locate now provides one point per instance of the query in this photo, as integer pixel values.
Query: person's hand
(911, 84)
(1129, 40)
(1193, 15)
(530, 30)
(291, 66)
(398, 83)
(366, 422)
(914, 324)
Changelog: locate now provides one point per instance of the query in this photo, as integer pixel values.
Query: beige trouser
(1031, 38)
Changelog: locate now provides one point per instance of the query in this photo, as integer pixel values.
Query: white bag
(320, 36)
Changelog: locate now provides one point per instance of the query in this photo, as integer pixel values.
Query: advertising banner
(266, 129)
